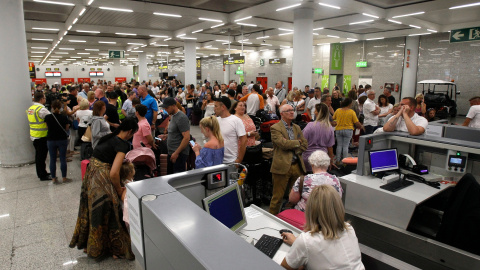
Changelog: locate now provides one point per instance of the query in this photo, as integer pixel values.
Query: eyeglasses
(291, 110)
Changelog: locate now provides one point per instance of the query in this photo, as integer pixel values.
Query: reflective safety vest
(119, 109)
(38, 127)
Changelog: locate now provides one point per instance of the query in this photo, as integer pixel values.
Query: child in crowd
(127, 172)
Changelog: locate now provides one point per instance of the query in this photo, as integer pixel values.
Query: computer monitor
(383, 160)
(227, 207)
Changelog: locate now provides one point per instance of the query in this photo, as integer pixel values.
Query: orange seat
(350, 160)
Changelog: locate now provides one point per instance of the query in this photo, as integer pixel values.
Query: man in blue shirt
(151, 103)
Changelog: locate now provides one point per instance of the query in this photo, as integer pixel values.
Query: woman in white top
(328, 242)
(385, 109)
(208, 105)
(294, 99)
(83, 116)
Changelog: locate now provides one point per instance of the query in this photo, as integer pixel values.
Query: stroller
(145, 164)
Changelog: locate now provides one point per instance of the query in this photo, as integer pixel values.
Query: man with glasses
(406, 119)
(314, 101)
(287, 164)
(371, 112)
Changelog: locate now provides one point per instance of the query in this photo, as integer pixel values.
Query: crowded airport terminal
(240, 134)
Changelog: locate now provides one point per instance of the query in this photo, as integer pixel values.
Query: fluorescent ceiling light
(161, 45)
(75, 21)
(375, 38)
(212, 48)
(75, 57)
(61, 52)
(244, 42)
(67, 49)
(421, 34)
(125, 34)
(284, 34)
(196, 31)
(45, 29)
(333, 36)
(283, 29)
(70, 27)
(263, 37)
(370, 15)
(415, 26)
(330, 6)
(167, 14)
(367, 21)
(316, 34)
(87, 31)
(167, 39)
(247, 24)
(103, 54)
(107, 42)
(36, 56)
(116, 9)
(76, 40)
(265, 44)
(393, 21)
(83, 11)
(95, 50)
(158, 36)
(43, 39)
(92, 57)
(188, 38)
(71, 59)
(353, 39)
(320, 28)
(54, 2)
(287, 7)
(83, 53)
(431, 30)
(40, 48)
(64, 33)
(246, 18)
(181, 35)
(347, 41)
(135, 44)
(219, 40)
(56, 56)
(138, 51)
(467, 5)
(37, 52)
(218, 25)
(210, 20)
(410, 14)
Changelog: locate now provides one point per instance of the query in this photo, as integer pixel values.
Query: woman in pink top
(239, 110)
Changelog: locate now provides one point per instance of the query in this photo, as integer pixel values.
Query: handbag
(68, 134)
(253, 154)
(87, 136)
(290, 205)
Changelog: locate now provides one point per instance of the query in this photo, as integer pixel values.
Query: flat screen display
(99, 73)
(456, 161)
(57, 74)
(383, 160)
(49, 74)
(92, 74)
(226, 206)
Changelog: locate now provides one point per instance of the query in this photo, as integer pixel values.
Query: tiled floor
(37, 221)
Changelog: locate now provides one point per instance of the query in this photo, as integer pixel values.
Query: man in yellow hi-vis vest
(38, 133)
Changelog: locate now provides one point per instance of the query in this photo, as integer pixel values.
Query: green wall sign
(336, 56)
(347, 83)
(318, 71)
(361, 64)
(325, 80)
(239, 72)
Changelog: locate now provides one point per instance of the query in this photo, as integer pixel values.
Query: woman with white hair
(328, 242)
(320, 161)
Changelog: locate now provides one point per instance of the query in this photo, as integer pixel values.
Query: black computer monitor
(227, 207)
(383, 160)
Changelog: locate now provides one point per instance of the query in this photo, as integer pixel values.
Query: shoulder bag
(68, 134)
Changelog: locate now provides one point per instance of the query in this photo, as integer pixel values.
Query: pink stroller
(145, 164)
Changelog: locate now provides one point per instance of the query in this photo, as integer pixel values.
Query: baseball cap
(169, 101)
(226, 101)
(311, 91)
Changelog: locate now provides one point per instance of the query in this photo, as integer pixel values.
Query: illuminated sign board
(277, 61)
(234, 60)
(361, 64)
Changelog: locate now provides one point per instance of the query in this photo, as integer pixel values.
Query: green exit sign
(239, 72)
(361, 64)
(318, 71)
(116, 54)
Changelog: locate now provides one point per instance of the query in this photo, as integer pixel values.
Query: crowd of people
(110, 119)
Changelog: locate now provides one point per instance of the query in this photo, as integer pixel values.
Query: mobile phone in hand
(192, 143)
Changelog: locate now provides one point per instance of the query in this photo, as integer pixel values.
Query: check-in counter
(388, 221)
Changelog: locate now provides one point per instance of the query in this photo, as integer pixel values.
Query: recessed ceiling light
(158, 36)
(218, 25)
(467, 5)
(210, 20)
(410, 14)
(284, 34)
(265, 44)
(263, 37)
(116, 9)
(37, 52)
(287, 7)
(375, 38)
(45, 29)
(83, 53)
(136, 44)
(431, 30)
(167, 39)
(181, 35)
(70, 27)
(353, 39)
(370, 15)
(188, 38)
(247, 24)
(421, 34)
(283, 29)
(393, 21)
(75, 57)
(88, 31)
(320, 28)
(167, 14)
(61, 52)
(83, 11)
(138, 51)
(40, 48)
(78, 41)
(95, 50)
(67, 49)
(330, 6)
(75, 21)
(125, 34)
(196, 31)
(246, 18)
(415, 26)
(54, 2)
(333, 36)
(43, 39)
(108, 42)
(367, 21)
(36, 56)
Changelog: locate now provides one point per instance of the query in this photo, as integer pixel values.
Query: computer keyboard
(397, 185)
(269, 245)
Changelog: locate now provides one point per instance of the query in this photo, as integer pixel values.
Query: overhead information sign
(116, 54)
(361, 64)
(318, 71)
(465, 34)
(163, 66)
(277, 61)
(237, 59)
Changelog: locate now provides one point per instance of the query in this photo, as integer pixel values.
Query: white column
(409, 78)
(226, 75)
(16, 148)
(190, 62)
(302, 47)
(142, 67)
